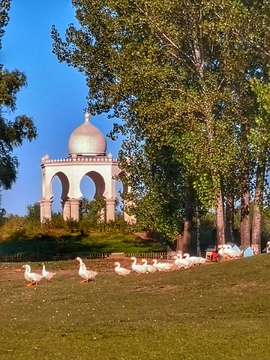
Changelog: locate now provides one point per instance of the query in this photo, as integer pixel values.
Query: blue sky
(55, 97)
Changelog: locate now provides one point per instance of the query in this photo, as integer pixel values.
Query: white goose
(120, 270)
(228, 250)
(149, 268)
(197, 260)
(30, 276)
(182, 263)
(47, 274)
(155, 265)
(87, 275)
(164, 266)
(139, 269)
(220, 250)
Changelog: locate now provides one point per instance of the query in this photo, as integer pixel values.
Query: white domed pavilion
(87, 157)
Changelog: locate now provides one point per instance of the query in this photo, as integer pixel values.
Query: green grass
(74, 245)
(31, 239)
(216, 311)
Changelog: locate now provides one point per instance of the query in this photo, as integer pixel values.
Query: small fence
(17, 258)
(156, 255)
(88, 257)
(91, 256)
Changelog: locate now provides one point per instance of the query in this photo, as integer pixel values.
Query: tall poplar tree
(176, 72)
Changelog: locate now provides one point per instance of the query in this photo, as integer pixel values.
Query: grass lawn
(73, 245)
(215, 311)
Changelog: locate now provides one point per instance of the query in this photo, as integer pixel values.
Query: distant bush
(33, 212)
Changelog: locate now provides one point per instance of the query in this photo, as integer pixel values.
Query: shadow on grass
(44, 248)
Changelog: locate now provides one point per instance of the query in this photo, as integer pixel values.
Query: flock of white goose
(87, 275)
(181, 262)
(34, 278)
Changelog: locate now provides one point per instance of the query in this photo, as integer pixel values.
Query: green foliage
(3, 214)
(24, 236)
(119, 216)
(33, 212)
(45, 245)
(13, 133)
(178, 75)
(92, 210)
(4, 9)
(157, 195)
(21, 235)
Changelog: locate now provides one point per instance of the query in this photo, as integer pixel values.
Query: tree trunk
(220, 220)
(186, 236)
(257, 216)
(179, 243)
(229, 236)
(183, 239)
(244, 221)
(198, 232)
(187, 229)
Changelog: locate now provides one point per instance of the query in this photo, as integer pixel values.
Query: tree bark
(198, 233)
(257, 216)
(183, 239)
(220, 220)
(244, 221)
(187, 229)
(229, 236)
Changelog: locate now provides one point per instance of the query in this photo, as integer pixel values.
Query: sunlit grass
(216, 311)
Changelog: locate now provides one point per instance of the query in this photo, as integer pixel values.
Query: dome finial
(86, 116)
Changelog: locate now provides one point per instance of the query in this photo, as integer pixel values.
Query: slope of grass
(44, 247)
(216, 311)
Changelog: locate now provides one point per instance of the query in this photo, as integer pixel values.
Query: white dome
(87, 140)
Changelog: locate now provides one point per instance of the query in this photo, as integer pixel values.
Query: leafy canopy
(177, 74)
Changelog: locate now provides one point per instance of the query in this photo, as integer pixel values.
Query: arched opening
(92, 186)
(119, 214)
(57, 191)
(60, 188)
(87, 187)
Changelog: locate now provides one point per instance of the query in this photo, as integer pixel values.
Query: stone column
(65, 209)
(74, 209)
(110, 210)
(45, 209)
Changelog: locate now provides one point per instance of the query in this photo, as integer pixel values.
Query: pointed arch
(64, 182)
(98, 181)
